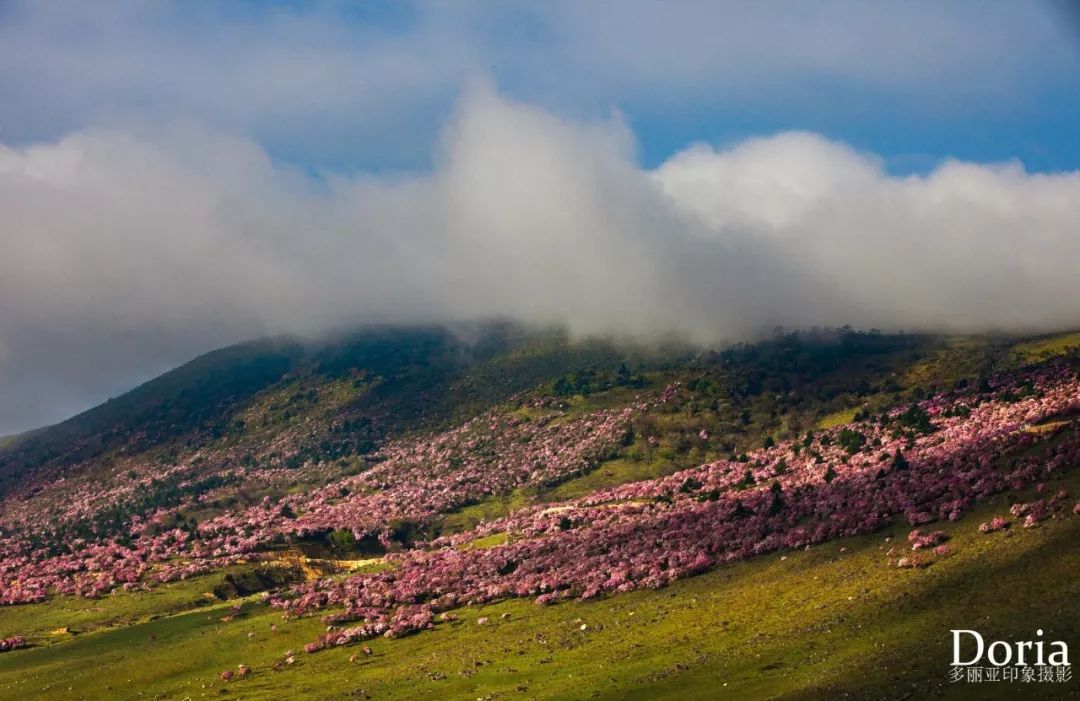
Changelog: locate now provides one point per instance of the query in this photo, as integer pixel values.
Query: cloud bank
(128, 251)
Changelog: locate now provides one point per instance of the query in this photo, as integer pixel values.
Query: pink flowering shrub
(13, 643)
(997, 523)
(487, 456)
(1040, 509)
(920, 540)
(913, 562)
(648, 534)
(415, 480)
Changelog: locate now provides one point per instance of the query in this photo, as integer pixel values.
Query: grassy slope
(808, 624)
(767, 628)
(927, 363)
(1047, 346)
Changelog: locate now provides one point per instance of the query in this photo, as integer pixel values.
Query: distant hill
(415, 376)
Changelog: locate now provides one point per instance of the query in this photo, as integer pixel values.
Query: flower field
(354, 551)
(793, 495)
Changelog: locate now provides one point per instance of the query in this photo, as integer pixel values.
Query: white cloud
(127, 251)
(968, 247)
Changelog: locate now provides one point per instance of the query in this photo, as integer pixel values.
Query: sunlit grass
(1043, 348)
(490, 541)
(609, 474)
(837, 418)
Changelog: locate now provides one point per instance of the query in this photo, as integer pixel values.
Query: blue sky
(366, 86)
(179, 176)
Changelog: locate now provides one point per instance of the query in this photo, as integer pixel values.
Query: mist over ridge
(133, 249)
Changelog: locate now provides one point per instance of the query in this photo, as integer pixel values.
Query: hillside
(496, 512)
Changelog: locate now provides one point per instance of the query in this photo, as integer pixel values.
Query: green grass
(609, 474)
(837, 418)
(949, 359)
(490, 541)
(1047, 347)
(42, 623)
(469, 517)
(801, 625)
(615, 398)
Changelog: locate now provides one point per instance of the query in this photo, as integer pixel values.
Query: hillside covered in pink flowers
(383, 486)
